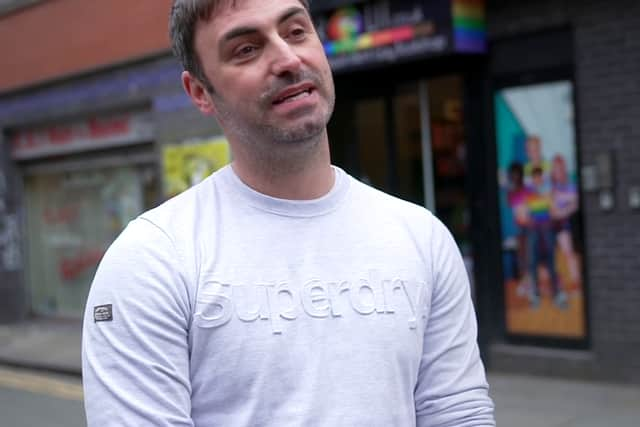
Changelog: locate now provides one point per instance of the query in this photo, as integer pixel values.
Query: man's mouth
(293, 95)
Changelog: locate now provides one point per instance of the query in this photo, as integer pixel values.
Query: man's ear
(198, 93)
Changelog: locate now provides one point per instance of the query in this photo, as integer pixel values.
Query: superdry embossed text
(220, 302)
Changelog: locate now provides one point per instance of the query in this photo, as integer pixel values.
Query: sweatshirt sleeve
(135, 354)
(452, 390)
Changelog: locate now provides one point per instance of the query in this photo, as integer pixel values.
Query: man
(533, 146)
(280, 291)
(541, 239)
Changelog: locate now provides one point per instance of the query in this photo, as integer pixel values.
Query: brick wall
(607, 65)
(57, 38)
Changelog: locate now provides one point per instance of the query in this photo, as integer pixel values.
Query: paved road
(30, 399)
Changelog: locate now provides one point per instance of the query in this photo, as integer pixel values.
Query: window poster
(539, 210)
(191, 162)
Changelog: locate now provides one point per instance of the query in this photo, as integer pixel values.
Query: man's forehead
(244, 16)
(232, 17)
(230, 8)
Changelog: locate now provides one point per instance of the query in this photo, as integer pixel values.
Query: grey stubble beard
(271, 149)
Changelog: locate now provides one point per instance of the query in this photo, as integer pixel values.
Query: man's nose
(285, 58)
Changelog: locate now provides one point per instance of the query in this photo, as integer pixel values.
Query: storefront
(404, 72)
(83, 181)
(427, 110)
(81, 158)
(534, 98)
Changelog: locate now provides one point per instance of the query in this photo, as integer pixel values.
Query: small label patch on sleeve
(103, 313)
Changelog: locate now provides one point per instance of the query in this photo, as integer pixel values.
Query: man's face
(268, 68)
(537, 179)
(533, 150)
(515, 179)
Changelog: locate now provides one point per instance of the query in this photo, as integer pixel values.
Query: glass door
(449, 157)
(408, 139)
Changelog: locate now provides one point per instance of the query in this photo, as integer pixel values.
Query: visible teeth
(298, 96)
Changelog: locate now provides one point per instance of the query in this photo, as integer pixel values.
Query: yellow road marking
(40, 384)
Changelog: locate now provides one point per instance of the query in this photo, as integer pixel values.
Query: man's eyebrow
(292, 11)
(243, 31)
(237, 32)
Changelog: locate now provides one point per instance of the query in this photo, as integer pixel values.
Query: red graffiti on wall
(72, 268)
(61, 215)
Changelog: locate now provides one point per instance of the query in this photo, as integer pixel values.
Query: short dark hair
(185, 14)
(516, 170)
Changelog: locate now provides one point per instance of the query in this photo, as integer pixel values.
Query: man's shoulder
(161, 223)
(162, 232)
(171, 210)
(170, 225)
(184, 209)
(369, 197)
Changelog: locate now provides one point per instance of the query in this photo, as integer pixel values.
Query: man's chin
(301, 133)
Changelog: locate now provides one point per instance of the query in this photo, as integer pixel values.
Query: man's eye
(298, 33)
(244, 51)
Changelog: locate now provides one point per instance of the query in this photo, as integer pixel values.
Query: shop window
(72, 218)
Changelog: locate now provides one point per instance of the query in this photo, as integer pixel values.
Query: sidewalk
(52, 345)
(521, 401)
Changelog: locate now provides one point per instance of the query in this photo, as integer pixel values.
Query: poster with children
(539, 210)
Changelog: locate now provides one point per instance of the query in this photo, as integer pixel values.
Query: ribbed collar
(286, 207)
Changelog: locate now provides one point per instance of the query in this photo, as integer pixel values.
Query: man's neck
(305, 176)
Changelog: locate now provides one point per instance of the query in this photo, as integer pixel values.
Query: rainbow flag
(469, 25)
(377, 39)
